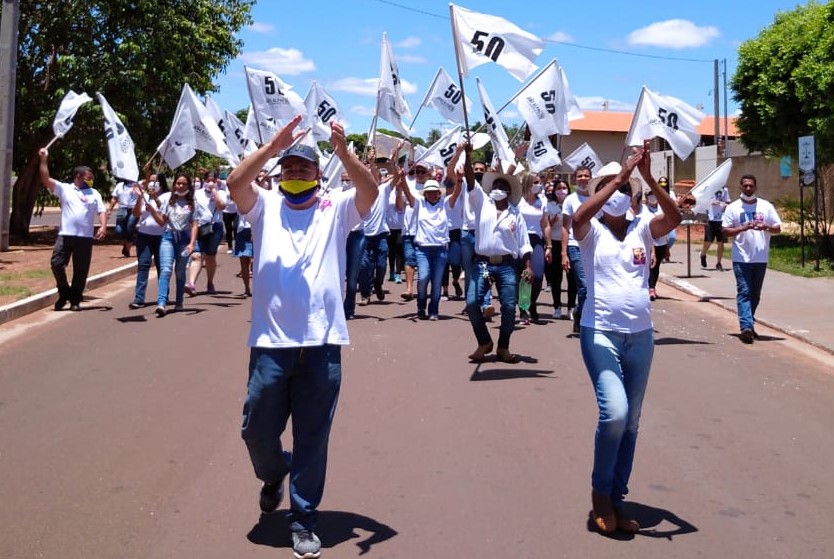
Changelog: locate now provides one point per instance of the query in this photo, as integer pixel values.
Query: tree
(137, 53)
(784, 83)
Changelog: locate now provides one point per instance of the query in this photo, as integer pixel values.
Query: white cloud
(560, 37)
(366, 86)
(673, 33)
(411, 59)
(409, 43)
(278, 60)
(259, 27)
(509, 114)
(362, 110)
(597, 103)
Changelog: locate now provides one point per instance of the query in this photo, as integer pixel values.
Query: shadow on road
(678, 341)
(654, 522)
(334, 528)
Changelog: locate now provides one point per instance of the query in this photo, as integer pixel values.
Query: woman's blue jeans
(618, 365)
(578, 272)
(506, 280)
(749, 281)
(303, 383)
(172, 260)
(431, 266)
(147, 252)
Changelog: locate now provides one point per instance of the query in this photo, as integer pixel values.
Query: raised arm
(46, 180)
(665, 222)
(362, 179)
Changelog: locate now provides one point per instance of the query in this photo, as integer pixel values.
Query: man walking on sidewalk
(750, 221)
(79, 205)
(714, 230)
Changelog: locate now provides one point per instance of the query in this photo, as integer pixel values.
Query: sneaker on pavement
(306, 544)
(271, 496)
(60, 304)
(364, 301)
(135, 305)
(569, 315)
(75, 307)
(557, 313)
(703, 260)
(489, 312)
(434, 317)
(719, 267)
(458, 289)
(160, 311)
(191, 289)
(652, 294)
(380, 294)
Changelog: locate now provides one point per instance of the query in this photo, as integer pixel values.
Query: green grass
(16, 291)
(786, 256)
(8, 281)
(28, 274)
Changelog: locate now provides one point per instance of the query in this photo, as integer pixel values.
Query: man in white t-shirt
(298, 322)
(750, 221)
(80, 203)
(714, 228)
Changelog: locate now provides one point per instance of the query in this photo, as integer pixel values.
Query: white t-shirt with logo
(532, 214)
(299, 269)
(617, 277)
(146, 224)
(570, 207)
(79, 208)
(498, 235)
(432, 222)
(718, 204)
(751, 246)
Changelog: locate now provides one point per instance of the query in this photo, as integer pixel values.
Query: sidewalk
(800, 307)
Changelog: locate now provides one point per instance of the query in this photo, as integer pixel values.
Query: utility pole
(717, 104)
(8, 84)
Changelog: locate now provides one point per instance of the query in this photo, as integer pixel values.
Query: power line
(574, 45)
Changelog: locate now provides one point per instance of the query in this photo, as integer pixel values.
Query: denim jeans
(505, 278)
(79, 250)
(147, 250)
(355, 249)
(302, 383)
(171, 260)
(467, 261)
(618, 365)
(431, 264)
(125, 224)
(579, 276)
(537, 264)
(453, 261)
(396, 260)
(749, 280)
(409, 257)
(374, 260)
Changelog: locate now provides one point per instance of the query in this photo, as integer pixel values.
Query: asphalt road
(119, 437)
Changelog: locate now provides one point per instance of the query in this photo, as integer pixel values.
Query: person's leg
(313, 395)
(537, 262)
(144, 255)
(757, 275)
(467, 259)
(454, 260)
(423, 277)
(410, 265)
(230, 226)
(743, 275)
(82, 255)
(155, 244)
(166, 267)
(355, 248)
(211, 255)
(579, 277)
(638, 351)
(245, 263)
(196, 265)
(478, 285)
(507, 284)
(180, 269)
(61, 255)
(438, 258)
(654, 271)
(381, 260)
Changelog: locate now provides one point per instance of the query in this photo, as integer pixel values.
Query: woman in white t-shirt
(616, 335)
(532, 209)
(555, 193)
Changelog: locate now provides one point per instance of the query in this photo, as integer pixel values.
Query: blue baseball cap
(302, 151)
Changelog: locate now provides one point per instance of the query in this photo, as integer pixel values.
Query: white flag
(442, 151)
(541, 154)
(219, 116)
(584, 156)
(331, 172)
(66, 112)
(705, 191)
(667, 117)
(235, 138)
(119, 144)
(445, 97)
(273, 101)
(259, 130)
(321, 110)
(497, 134)
(547, 104)
(193, 128)
(391, 104)
(483, 37)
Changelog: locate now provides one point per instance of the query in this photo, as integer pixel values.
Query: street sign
(807, 161)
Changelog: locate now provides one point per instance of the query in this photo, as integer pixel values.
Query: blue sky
(608, 50)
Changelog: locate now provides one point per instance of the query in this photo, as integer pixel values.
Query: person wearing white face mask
(616, 333)
(750, 221)
(80, 203)
(652, 209)
(556, 193)
(532, 209)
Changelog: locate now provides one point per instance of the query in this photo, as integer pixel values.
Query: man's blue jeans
(579, 275)
(374, 260)
(749, 280)
(618, 365)
(303, 383)
(355, 249)
(171, 260)
(147, 252)
(431, 265)
(506, 280)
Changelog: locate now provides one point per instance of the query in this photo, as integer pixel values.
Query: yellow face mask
(89, 182)
(297, 186)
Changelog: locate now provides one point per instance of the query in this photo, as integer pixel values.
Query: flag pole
(460, 72)
(520, 91)
(252, 103)
(425, 98)
(53, 140)
(634, 118)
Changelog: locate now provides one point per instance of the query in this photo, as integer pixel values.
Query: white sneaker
(557, 314)
(570, 313)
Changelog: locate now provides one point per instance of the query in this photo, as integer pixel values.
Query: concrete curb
(42, 300)
(705, 297)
